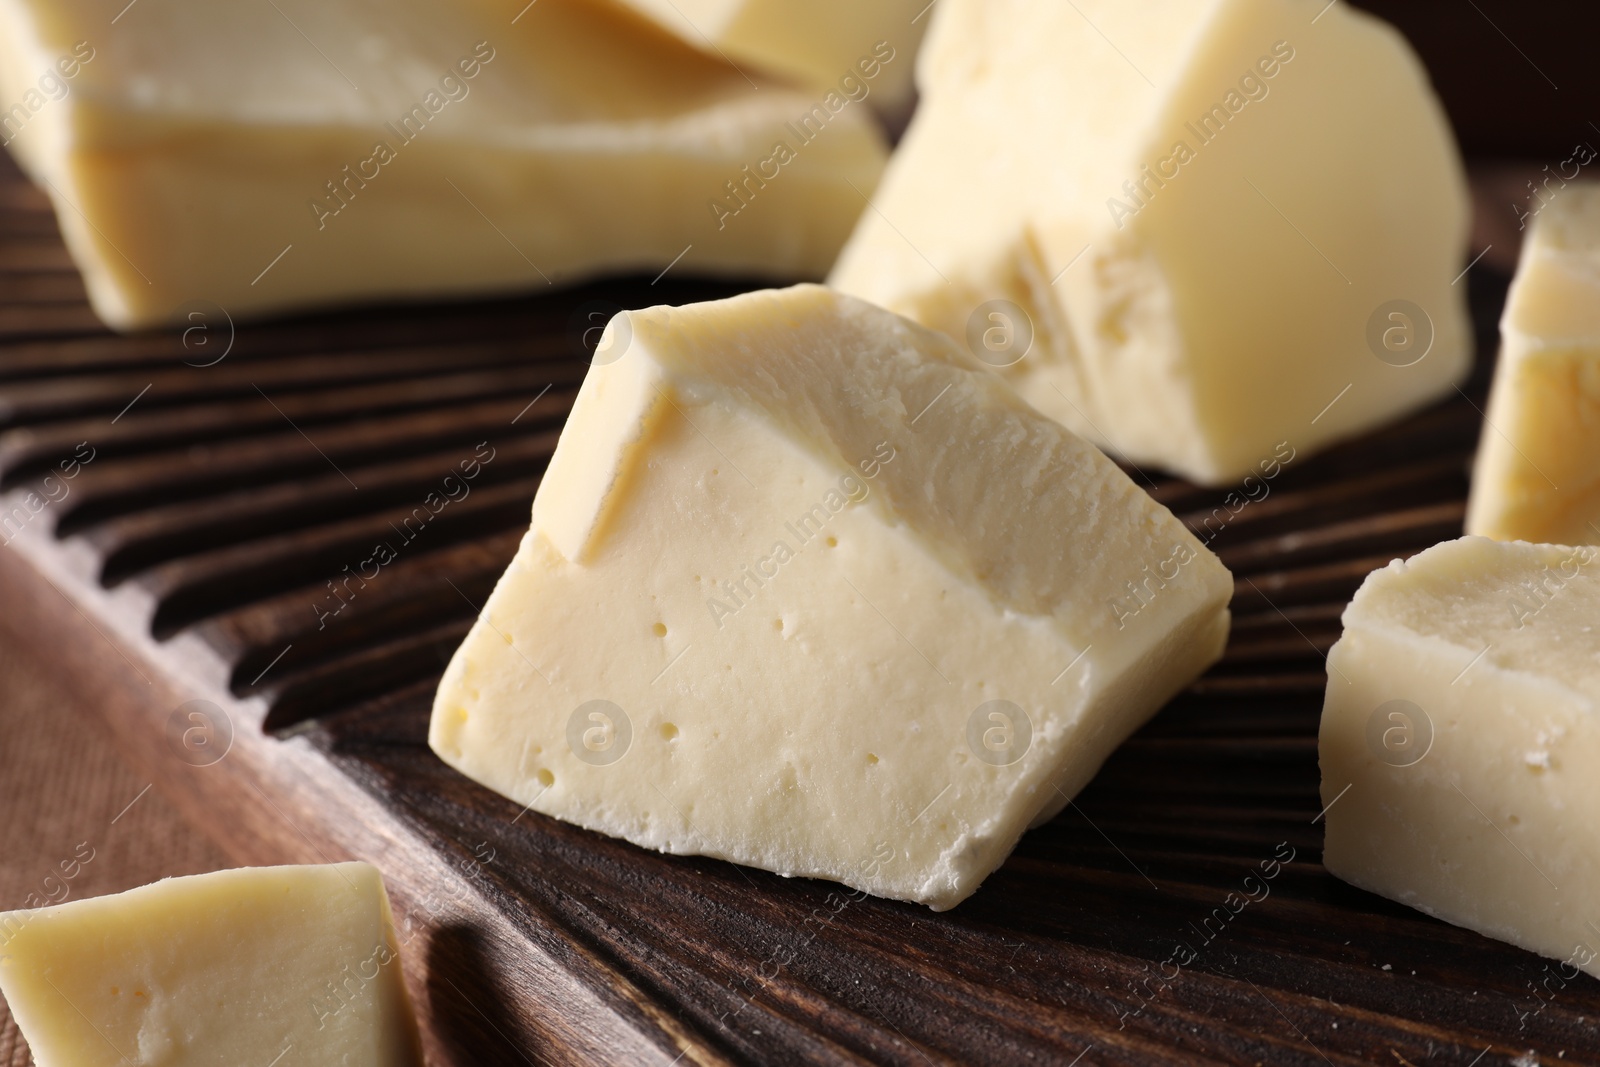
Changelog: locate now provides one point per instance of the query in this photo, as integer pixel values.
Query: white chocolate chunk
(1538, 469)
(309, 152)
(1460, 741)
(1183, 229)
(809, 589)
(232, 967)
(817, 44)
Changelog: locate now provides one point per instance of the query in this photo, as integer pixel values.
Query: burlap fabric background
(63, 793)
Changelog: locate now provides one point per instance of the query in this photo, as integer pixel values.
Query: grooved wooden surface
(190, 561)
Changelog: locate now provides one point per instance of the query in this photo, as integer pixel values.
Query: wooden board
(189, 561)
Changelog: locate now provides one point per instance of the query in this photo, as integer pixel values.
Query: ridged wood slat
(141, 539)
(204, 468)
(36, 450)
(209, 546)
(95, 349)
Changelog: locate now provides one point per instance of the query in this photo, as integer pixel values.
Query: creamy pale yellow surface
(234, 967)
(789, 551)
(1538, 469)
(1199, 209)
(304, 152)
(1460, 742)
(817, 44)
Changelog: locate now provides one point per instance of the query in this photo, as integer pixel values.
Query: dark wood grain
(192, 560)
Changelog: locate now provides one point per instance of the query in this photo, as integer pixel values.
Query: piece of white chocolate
(1538, 471)
(828, 46)
(257, 157)
(231, 967)
(1460, 741)
(1189, 231)
(810, 589)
